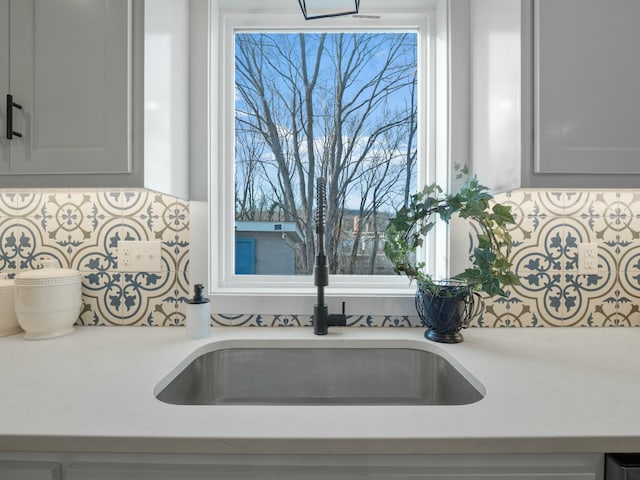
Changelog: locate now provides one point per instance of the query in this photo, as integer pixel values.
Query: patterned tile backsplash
(550, 225)
(81, 230)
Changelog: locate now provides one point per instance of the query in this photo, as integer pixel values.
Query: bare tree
(321, 105)
(249, 197)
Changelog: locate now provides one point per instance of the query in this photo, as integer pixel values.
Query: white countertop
(547, 390)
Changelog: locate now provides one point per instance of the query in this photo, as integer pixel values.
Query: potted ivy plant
(445, 307)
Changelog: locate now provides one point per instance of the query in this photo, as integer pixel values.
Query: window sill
(358, 301)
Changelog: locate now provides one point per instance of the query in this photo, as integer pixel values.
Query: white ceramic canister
(48, 302)
(8, 321)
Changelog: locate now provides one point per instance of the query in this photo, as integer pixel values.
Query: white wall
(166, 93)
(200, 90)
(483, 61)
(203, 83)
(495, 39)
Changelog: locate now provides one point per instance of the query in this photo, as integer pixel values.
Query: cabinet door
(29, 471)
(490, 475)
(167, 471)
(479, 467)
(587, 75)
(70, 71)
(4, 83)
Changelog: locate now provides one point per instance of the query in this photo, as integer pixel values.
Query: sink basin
(319, 376)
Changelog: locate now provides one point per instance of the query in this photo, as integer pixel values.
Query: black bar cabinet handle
(10, 106)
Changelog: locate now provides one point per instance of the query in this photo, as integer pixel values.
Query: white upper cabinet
(586, 97)
(68, 64)
(4, 83)
(555, 99)
(69, 70)
(30, 470)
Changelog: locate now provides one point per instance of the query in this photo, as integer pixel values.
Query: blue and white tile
(628, 298)
(9, 245)
(282, 321)
(28, 202)
(167, 309)
(364, 321)
(510, 311)
(552, 201)
(31, 246)
(537, 258)
(531, 210)
(620, 216)
(146, 221)
(629, 260)
(8, 204)
(587, 298)
(99, 252)
(608, 216)
(110, 202)
(150, 207)
(102, 298)
(394, 321)
(629, 238)
(69, 220)
(574, 202)
(183, 263)
(143, 292)
(576, 232)
(134, 201)
(182, 279)
(615, 309)
(231, 320)
(539, 265)
(177, 236)
(583, 293)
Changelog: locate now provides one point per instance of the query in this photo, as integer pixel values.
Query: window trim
(375, 294)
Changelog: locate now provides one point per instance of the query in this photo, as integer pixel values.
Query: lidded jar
(48, 302)
(8, 321)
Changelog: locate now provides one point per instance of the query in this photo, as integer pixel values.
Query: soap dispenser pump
(198, 314)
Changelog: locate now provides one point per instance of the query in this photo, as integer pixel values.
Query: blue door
(245, 256)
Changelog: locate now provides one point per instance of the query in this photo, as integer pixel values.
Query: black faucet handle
(338, 319)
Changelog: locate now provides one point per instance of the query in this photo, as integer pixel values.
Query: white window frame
(275, 294)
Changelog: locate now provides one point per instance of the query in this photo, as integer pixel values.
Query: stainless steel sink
(319, 376)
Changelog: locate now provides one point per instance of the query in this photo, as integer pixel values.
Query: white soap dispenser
(198, 314)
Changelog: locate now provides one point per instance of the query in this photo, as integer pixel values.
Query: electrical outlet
(139, 256)
(587, 258)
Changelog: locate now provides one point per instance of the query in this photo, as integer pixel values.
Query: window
(346, 99)
(337, 105)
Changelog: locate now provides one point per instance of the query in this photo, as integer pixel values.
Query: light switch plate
(134, 256)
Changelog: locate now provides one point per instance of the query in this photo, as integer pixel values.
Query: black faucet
(322, 320)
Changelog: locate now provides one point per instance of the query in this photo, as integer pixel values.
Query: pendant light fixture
(313, 9)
